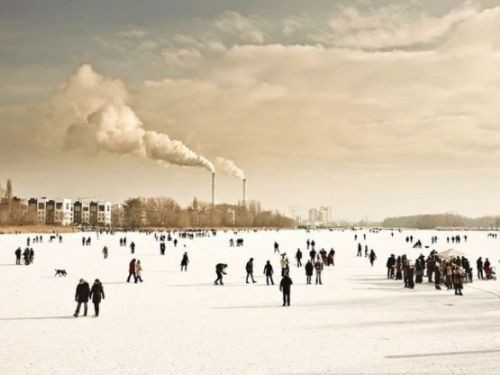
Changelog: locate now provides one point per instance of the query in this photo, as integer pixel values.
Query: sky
(374, 108)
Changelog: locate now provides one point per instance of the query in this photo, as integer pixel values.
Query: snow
(356, 323)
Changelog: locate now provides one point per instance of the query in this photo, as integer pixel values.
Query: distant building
(65, 212)
(321, 216)
(104, 214)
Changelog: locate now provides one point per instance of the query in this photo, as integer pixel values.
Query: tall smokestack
(244, 192)
(213, 190)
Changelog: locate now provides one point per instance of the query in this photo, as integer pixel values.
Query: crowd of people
(447, 271)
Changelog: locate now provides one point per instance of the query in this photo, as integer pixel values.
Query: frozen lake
(357, 322)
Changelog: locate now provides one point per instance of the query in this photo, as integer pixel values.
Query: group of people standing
(28, 254)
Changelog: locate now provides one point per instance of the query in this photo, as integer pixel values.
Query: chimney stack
(213, 190)
(244, 192)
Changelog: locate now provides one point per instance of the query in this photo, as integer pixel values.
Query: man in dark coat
(391, 262)
(132, 247)
(26, 255)
(131, 271)
(82, 296)
(479, 267)
(309, 271)
(162, 248)
(285, 286)
(298, 256)
(268, 271)
(220, 269)
(249, 269)
(96, 293)
(18, 255)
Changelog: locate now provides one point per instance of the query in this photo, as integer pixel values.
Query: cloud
(182, 58)
(246, 28)
(102, 120)
(393, 26)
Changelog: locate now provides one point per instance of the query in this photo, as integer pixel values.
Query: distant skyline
(374, 108)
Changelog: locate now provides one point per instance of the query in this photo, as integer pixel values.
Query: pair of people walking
(84, 293)
(135, 270)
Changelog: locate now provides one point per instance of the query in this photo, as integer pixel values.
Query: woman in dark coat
(96, 293)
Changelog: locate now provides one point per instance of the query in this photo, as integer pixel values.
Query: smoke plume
(228, 167)
(96, 108)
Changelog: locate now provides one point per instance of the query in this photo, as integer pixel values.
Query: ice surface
(179, 323)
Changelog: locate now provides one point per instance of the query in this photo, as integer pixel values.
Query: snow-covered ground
(180, 323)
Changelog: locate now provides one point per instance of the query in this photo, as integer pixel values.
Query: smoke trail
(101, 120)
(228, 167)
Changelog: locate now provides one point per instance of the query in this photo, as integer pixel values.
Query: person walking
(285, 287)
(138, 271)
(132, 247)
(318, 266)
(97, 293)
(131, 270)
(220, 270)
(268, 271)
(298, 256)
(284, 265)
(309, 271)
(276, 247)
(82, 295)
(184, 262)
(249, 269)
(372, 257)
(105, 252)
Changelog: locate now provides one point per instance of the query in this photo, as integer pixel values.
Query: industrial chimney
(213, 190)
(244, 192)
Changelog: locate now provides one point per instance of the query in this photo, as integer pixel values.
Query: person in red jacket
(131, 270)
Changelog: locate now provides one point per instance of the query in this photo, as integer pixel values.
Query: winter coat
(318, 266)
(285, 284)
(249, 267)
(131, 267)
(185, 260)
(138, 269)
(268, 270)
(220, 267)
(309, 269)
(97, 292)
(82, 293)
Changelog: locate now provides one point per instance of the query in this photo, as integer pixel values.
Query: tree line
(166, 213)
(446, 220)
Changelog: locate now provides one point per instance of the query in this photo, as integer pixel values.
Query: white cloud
(392, 26)
(182, 58)
(246, 28)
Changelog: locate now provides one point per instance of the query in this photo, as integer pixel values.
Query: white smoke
(228, 167)
(96, 108)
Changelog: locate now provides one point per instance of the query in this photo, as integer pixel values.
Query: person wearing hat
(96, 293)
(249, 269)
(82, 297)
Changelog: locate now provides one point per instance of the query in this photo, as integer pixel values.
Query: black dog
(60, 272)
